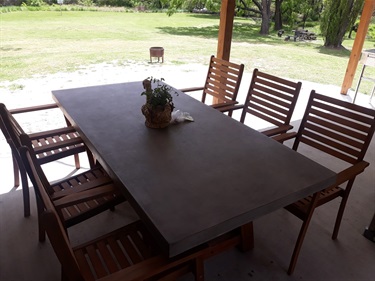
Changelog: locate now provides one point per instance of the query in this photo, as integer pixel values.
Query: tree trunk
(278, 20)
(339, 15)
(266, 16)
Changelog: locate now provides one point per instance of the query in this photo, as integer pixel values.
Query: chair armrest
(58, 145)
(224, 104)
(84, 196)
(33, 108)
(351, 172)
(192, 89)
(229, 107)
(51, 133)
(277, 131)
(284, 137)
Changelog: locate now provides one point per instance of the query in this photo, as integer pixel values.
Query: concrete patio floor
(351, 257)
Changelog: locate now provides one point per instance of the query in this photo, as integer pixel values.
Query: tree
(337, 18)
(297, 12)
(173, 5)
(263, 9)
(278, 15)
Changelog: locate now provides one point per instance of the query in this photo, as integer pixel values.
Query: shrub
(116, 3)
(35, 3)
(371, 31)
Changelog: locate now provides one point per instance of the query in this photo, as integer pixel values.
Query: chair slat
(227, 63)
(81, 187)
(97, 264)
(43, 159)
(228, 77)
(71, 211)
(265, 114)
(274, 96)
(84, 266)
(334, 127)
(280, 80)
(215, 85)
(275, 88)
(343, 121)
(222, 81)
(338, 147)
(118, 253)
(327, 150)
(343, 104)
(48, 145)
(271, 99)
(279, 107)
(110, 262)
(332, 134)
(141, 245)
(130, 250)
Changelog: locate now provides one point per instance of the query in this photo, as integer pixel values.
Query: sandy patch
(37, 90)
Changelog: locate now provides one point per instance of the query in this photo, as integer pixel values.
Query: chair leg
(76, 157)
(25, 193)
(41, 229)
(341, 209)
(76, 161)
(302, 233)
(16, 171)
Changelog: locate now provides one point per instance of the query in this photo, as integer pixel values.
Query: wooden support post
(225, 32)
(226, 29)
(355, 55)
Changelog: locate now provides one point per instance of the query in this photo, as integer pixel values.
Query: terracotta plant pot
(157, 117)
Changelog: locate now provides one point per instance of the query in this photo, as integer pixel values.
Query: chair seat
(47, 146)
(84, 195)
(301, 207)
(130, 253)
(56, 144)
(114, 251)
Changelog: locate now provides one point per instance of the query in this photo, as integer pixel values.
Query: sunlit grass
(43, 42)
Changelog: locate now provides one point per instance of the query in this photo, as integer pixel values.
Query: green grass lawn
(43, 42)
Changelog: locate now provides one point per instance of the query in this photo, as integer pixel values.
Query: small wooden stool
(157, 52)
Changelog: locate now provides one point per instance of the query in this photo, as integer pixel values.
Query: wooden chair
(222, 82)
(76, 198)
(48, 145)
(272, 99)
(129, 253)
(344, 131)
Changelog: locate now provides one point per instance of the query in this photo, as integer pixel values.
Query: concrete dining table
(192, 181)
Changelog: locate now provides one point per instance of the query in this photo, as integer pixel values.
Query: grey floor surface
(351, 257)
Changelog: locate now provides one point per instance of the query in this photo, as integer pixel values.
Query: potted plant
(159, 103)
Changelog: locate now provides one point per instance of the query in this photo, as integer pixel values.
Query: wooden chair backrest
(51, 220)
(271, 98)
(4, 129)
(12, 127)
(223, 80)
(341, 129)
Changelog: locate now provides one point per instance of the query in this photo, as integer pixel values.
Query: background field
(45, 42)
